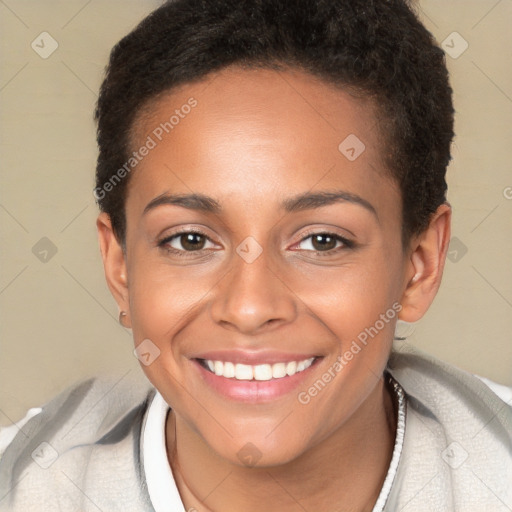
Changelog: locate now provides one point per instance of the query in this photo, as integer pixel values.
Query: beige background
(58, 320)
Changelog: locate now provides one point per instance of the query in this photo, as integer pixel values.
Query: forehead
(259, 132)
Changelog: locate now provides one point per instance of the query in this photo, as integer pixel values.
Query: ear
(114, 264)
(425, 265)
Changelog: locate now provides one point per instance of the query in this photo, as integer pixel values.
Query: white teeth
(279, 370)
(218, 367)
(291, 368)
(229, 370)
(243, 372)
(263, 372)
(308, 363)
(259, 372)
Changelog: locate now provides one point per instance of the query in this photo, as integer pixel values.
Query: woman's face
(281, 275)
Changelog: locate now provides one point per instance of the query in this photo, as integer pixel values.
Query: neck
(349, 467)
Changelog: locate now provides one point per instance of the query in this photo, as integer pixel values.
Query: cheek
(350, 298)
(161, 305)
(359, 307)
(163, 300)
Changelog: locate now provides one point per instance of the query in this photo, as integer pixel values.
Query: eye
(195, 241)
(325, 242)
(185, 241)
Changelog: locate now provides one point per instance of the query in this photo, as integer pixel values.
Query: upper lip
(253, 358)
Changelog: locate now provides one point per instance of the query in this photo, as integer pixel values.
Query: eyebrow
(306, 201)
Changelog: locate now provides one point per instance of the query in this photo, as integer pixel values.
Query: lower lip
(254, 391)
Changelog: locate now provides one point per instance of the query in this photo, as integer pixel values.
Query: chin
(260, 451)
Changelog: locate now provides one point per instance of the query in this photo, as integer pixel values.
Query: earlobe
(114, 262)
(425, 266)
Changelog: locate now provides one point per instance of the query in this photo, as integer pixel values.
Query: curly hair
(378, 48)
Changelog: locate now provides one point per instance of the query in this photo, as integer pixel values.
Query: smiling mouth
(260, 372)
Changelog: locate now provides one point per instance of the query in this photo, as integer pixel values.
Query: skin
(255, 138)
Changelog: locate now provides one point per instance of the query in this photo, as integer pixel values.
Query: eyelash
(176, 252)
(347, 244)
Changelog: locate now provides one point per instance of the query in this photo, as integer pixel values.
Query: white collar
(162, 488)
(397, 450)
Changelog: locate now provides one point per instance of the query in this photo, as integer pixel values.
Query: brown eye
(192, 241)
(185, 242)
(327, 243)
(323, 242)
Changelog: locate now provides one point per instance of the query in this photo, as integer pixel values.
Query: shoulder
(504, 392)
(435, 382)
(457, 452)
(87, 436)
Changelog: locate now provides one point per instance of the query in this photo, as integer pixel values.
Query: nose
(252, 297)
